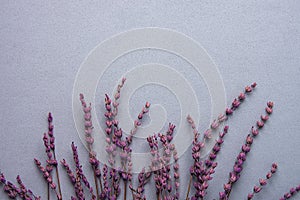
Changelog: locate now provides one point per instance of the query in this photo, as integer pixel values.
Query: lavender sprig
(263, 182)
(117, 96)
(88, 124)
(209, 164)
(143, 179)
(138, 122)
(126, 174)
(69, 171)
(197, 146)
(52, 146)
(74, 180)
(49, 143)
(80, 176)
(10, 189)
(176, 173)
(160, 164)
(112, 142)
(201, 171)
(23, 190)
(13, 191)
(291, 193)
(47, 176)
(235, 174)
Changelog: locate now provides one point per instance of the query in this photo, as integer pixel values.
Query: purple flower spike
(166, 175)
(117, 97)
(47, 176)
(262, 182)
(238, 166)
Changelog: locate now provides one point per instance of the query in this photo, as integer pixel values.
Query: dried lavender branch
(176, 172)
(137, 123)
(47, 176)
(215, 124)
(163, 180)
(160, 164)
(155, 162)
(69, 171)
(10, 189)
(52, 147)
(291, 193)
(80, 176)
(111, 140)
(115, 112)
(196, 153)
(263, 182)
(23, 190)
(238, 166)
(90, 140)
(49, 167)
(13, 191)
(117, 97)
(209, 164)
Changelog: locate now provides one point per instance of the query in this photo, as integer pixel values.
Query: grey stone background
(43, 43)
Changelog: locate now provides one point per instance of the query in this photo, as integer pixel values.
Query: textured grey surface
(42, 45)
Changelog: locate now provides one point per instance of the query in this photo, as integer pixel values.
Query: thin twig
(48, 191)
(125, 189)
(189, 188)
(96, 185)
(57, 176)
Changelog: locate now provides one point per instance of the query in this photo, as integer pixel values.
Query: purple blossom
(166, 177)
(262, 182)
(238, 166)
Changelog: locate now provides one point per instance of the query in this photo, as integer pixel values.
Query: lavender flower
(117, 96)
(209, 164)
(88, 124)
(111, 146)
(237, 101)
(166, 183)
(262, 182)
(290, 193)
(238, 166)
(23, 190)
(176, 172)
(49, 143)
(69, 171)
(11, 190)
(47, 176)
(138, 122)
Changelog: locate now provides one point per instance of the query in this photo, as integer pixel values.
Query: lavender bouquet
(111, 181)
